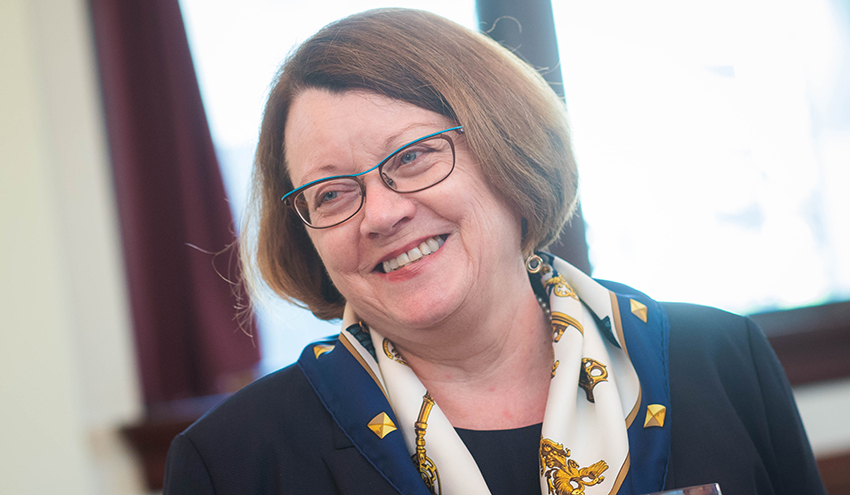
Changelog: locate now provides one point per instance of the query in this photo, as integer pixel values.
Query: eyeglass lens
(413, 168)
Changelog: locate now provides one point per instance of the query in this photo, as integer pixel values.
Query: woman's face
(346, 133)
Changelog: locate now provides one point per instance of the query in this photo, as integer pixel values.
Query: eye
(328, 196)
(331, 195)
(409, 156)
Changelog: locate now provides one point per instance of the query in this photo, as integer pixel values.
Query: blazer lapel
(352, 473)
(641, 326)
(354, 400)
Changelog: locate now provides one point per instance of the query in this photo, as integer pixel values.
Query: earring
(534, 264)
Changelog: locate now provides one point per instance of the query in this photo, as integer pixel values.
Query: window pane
(713, 140)
(237, 48)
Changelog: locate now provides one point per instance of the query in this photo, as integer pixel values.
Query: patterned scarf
(594, 397)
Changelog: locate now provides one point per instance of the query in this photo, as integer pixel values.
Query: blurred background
(713, 140)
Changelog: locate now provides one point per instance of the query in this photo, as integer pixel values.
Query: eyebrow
(388, 143)
(331, 170)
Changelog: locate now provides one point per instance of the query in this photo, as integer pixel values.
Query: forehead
(328, 133)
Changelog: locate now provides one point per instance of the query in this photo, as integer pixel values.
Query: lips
(425, 248)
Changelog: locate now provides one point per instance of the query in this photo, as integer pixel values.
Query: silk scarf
(594, 396)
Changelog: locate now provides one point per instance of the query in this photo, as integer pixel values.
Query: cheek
(493, 213)
(337, 251)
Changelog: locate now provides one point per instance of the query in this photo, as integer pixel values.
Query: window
(728, 132)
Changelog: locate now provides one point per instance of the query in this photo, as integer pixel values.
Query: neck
(490, 367)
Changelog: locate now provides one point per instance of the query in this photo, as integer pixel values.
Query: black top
(508, 459)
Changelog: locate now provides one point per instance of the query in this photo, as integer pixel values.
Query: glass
(416, 166)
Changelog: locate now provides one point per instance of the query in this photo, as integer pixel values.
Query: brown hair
(514, 123)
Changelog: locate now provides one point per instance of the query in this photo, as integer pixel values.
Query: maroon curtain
(170, 196)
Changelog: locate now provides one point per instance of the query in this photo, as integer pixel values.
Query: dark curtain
(528, 29)
(173, 211)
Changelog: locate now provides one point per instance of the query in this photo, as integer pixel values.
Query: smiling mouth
(426, 247)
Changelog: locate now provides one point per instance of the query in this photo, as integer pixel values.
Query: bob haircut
(514, 123)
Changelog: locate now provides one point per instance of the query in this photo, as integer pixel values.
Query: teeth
(428, 246)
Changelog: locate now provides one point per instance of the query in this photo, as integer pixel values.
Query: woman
(407, 173)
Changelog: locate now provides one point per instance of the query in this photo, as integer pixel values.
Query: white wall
(67, 370)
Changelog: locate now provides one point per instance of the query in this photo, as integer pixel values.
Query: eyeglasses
(416, 166)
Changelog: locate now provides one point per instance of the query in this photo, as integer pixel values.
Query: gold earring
(534, 264)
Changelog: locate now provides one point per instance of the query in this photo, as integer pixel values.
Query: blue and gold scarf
(606, 426)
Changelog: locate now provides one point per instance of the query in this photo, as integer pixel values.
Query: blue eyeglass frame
(299, 189)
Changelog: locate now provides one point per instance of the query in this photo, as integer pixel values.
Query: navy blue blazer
(732, 415)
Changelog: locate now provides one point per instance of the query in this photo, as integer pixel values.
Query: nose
(384, 210)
